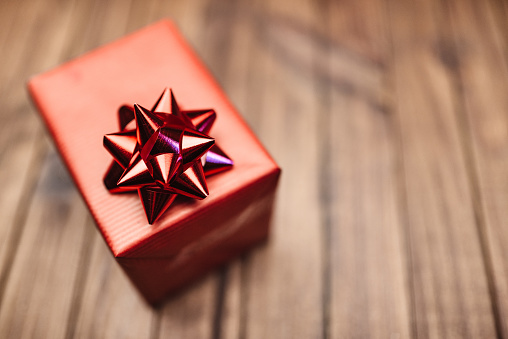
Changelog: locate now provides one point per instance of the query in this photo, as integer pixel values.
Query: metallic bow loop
(162, 153)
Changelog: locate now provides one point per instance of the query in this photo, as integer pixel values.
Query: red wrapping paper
(78, 102)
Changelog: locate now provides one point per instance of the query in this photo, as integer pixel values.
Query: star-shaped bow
(163, 152)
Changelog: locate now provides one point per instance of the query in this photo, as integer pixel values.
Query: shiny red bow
(163, 152)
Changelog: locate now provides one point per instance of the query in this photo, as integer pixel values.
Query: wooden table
(390, 121)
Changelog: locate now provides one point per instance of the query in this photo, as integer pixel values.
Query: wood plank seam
(82, 274)
(323, 90)
(155, 327)
(404, 217)
(244, 296)
(326, 208)
(403, 210)
(219, 302)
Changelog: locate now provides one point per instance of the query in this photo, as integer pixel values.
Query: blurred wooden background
(390, 121)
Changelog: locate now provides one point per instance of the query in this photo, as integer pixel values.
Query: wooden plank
(481, 69)
(190, 314)
(23, 152)
(18, 131)
(39, 289)
(231, 302)
(283, 280)
(450, 288)
(369, 294)
(235, 69)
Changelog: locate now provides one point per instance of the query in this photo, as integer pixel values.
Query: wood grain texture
(389, 121)
(19, 129)
(282, 104)
(450, 286)
(52, 238)
(370, 296)
(28, 258)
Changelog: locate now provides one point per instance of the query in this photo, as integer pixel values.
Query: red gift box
(79, 101)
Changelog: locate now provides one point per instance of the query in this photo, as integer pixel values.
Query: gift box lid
(79, 100)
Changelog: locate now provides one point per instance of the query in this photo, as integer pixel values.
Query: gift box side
(244, 225)
(170, 241)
